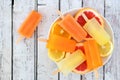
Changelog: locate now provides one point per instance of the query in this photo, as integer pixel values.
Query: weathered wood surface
(23, 52)
(112, 14)
(45, 65)
(28, 60)
(5, 39)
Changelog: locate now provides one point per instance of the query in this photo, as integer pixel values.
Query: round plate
(107, 27)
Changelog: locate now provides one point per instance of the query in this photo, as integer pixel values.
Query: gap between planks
(35, 45)
(12, 7)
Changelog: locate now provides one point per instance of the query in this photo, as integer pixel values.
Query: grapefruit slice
(90, 13)
(81, 69)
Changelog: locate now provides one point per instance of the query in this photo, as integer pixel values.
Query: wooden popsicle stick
(85, 17)
(19, 39)
(42, 40)
(55, 72)
(96, 74)
(61, 15)
(79, 44)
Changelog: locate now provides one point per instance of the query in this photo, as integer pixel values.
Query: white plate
(108, 28)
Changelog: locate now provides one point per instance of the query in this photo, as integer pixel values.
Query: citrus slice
(81, 69)
(55, 55)
(90, 13)
(56, 29)
(106, 50)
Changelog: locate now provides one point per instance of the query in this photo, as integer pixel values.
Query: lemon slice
(106, 50)
(55, 55)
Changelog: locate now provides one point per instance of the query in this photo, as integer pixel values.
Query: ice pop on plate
(69, 24)
(71, 62)
(92, 54)
(61, 43)
(96, 31)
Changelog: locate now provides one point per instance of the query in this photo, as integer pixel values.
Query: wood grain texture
(23, 52)
(45, 65)
(70, 4)
(99, 6)
(5, 39)
(112, 14)
(65, 6)
(96, 4)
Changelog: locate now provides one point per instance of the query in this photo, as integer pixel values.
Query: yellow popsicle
(71, 62)
(96, 31)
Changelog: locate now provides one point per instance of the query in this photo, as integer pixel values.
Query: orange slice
(58, 30)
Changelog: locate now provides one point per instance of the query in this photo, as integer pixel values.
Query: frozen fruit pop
(61, 43)
(96, 31)
(71, 62)
(70, 25)
(92, 54)
(29, 25)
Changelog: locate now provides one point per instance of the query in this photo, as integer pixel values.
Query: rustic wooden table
(28, 60)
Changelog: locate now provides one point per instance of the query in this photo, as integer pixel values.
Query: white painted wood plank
(65, 6)
(99, 6)
(23, 55)
(70, 4)
(5, 40)
(112, 13)
(45, 65)
(42, 1)
(48, 2)
(96, 4)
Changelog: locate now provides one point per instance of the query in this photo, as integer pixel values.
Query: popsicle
(96, 31)
(70, 25)
(92, 54)
(71, 62)
(29, 25)
(61, 43)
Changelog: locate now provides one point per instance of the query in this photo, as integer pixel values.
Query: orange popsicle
(70, 25)
(61, 43)
(92, 54)
(29, 25)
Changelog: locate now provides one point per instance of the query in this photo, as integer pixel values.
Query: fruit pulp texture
(29, 25)
(58, 30)
(70, 25)
(92, 54)
(71, 62)
(55, 55)
(97, 32)
(82, 66)
(89, 15)
(61, 43)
